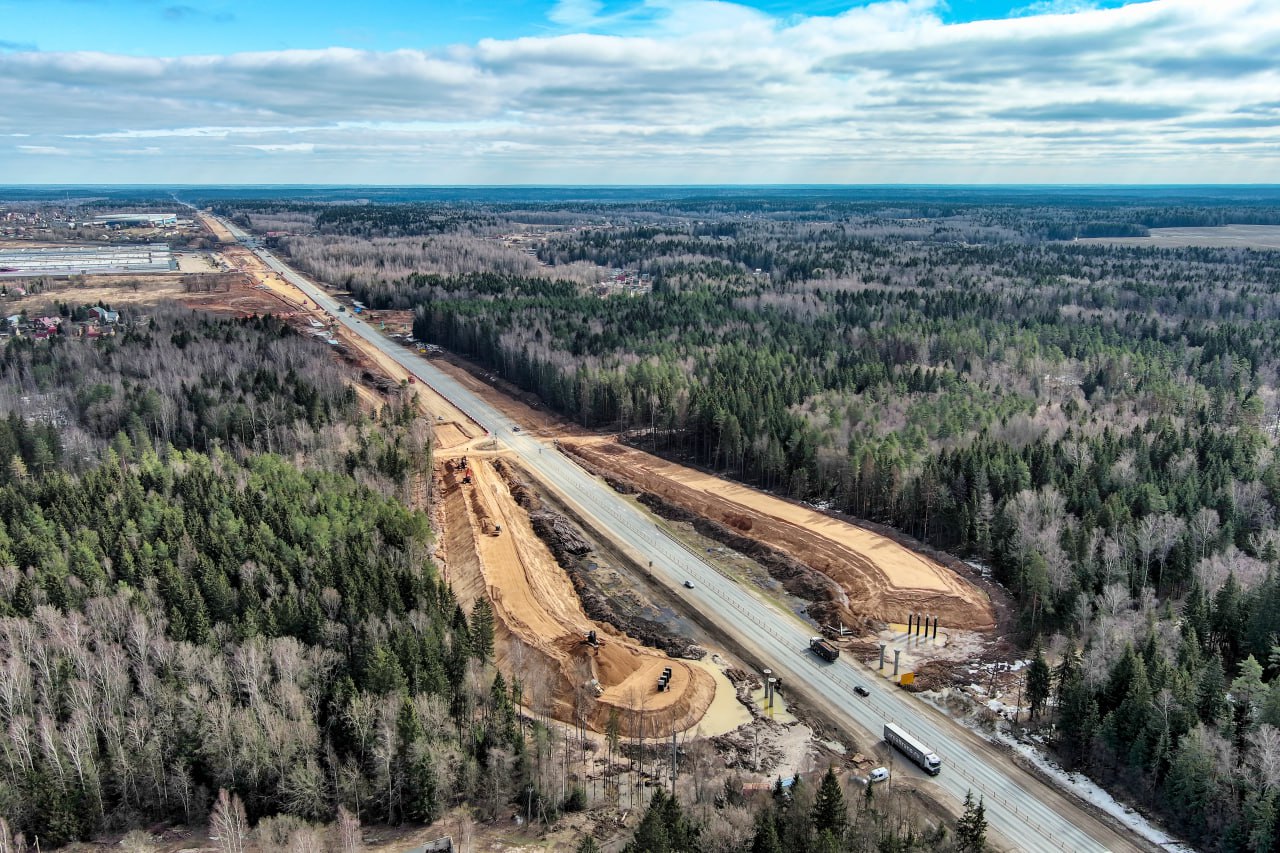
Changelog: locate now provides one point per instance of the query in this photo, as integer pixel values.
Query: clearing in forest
(540, 627)
(883, 579)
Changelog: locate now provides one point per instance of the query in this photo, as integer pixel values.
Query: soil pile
(882, 579)
(540, 626)
(572, 552)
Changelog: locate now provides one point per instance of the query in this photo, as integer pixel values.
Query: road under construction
(1026, 812)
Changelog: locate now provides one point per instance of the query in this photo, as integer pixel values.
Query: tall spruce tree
(829, 811)
(1039, 681)
(971, 829)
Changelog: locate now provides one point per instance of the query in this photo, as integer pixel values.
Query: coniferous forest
(216, 576)
(210, 584)
(1096, 423)
(216, 608)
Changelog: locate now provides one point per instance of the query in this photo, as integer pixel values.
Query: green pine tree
(971, 830)
(766, 836)
(1039, 681)
(1211, 692)
(829, 811)
(482, 629)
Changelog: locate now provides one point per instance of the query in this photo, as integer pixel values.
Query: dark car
(860, 690)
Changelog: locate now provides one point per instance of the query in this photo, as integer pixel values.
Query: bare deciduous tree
(1264, 754)
(349, 840)
(228, 825)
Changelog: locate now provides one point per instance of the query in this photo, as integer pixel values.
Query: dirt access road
(489, 548)
(881, 578)
(541, 630)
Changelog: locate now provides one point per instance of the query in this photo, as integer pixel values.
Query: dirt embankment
(541, 628)
(572, 551)
(877, 577)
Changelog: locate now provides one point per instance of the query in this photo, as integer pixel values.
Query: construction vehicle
(823, 648)
(919, 754)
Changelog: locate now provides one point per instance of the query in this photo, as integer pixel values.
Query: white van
(880, 774)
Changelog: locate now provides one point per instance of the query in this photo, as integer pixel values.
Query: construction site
(875, 579)
(595, 643)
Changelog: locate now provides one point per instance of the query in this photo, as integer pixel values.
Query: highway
(1027, 813)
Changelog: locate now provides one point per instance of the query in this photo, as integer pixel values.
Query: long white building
(86, 260)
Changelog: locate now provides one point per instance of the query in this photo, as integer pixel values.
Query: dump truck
(919, 754)
(823, 648)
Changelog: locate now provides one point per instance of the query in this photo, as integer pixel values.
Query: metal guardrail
(978, 788)
(759, 620)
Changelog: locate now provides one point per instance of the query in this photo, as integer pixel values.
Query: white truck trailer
(919, 754)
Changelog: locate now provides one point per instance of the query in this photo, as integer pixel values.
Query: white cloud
(1054, 7)
(576, 14)
(284, 147)
(670, 91)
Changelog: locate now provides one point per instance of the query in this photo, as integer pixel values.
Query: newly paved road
(1029, 815)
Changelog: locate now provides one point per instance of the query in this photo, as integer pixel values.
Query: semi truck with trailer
(823, 648)
(919, 754)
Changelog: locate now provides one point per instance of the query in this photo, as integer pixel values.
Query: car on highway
(861, 691)
(688, 584)
(515, 429)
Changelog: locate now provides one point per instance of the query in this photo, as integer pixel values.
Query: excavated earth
(491, 547)
(876, 577)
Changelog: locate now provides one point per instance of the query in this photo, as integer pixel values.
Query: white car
(880, 774)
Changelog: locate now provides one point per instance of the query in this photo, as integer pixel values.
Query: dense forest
(186, 610)
(804, 818)
(1097, 424)
(215, 609)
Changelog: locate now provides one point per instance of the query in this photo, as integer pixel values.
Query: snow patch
(1076, 783)
(1087, 789)
(980, 568)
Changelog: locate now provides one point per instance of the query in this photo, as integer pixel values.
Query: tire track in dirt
(541, 628)
(882, 579)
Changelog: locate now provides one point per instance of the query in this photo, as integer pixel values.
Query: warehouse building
(86, 260)
(135, 220)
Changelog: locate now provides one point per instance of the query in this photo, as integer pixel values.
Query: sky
(461, 92)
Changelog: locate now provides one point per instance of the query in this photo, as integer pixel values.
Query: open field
(882, 579)
(196, 262)
(240, 299)
(1221, 237)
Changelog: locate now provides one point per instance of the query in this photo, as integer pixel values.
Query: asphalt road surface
(1028, 814)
